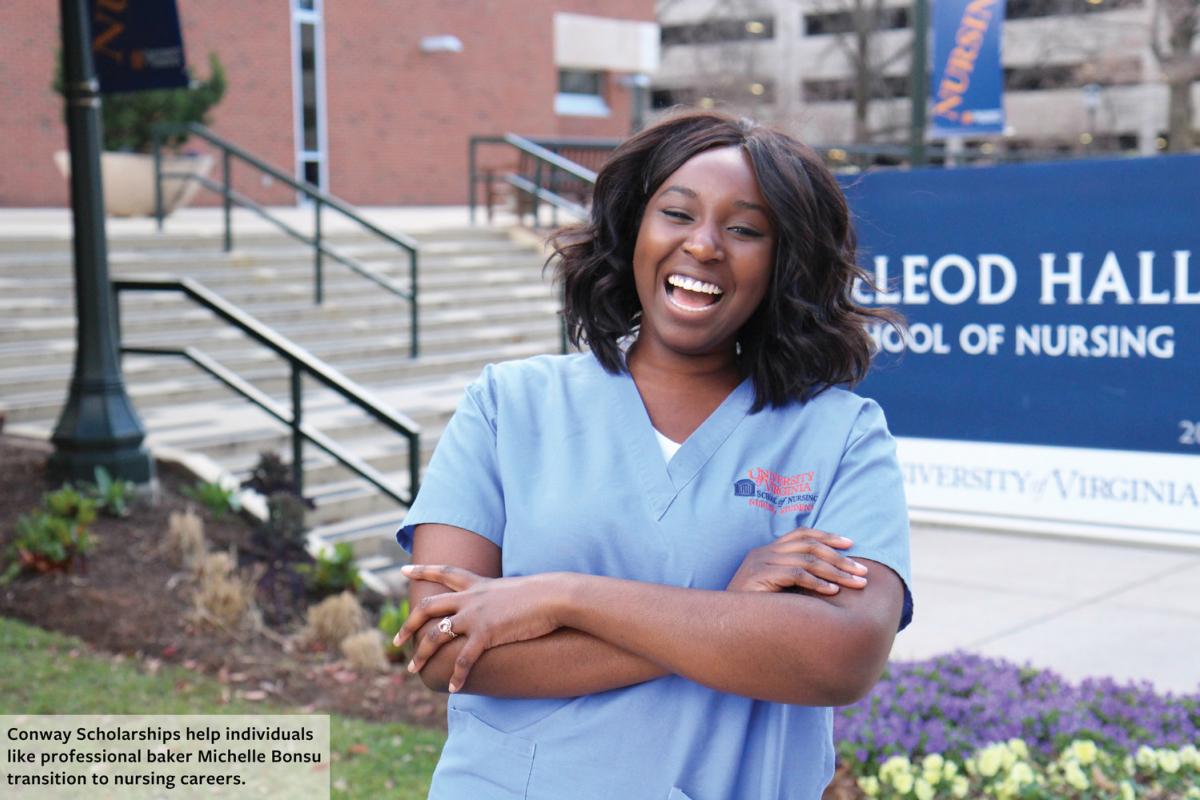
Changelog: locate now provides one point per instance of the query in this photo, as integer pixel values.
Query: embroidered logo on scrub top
(779, 494)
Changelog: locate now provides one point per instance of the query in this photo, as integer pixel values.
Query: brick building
(373, 100)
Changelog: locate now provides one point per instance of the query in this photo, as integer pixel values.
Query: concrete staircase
(482, 299)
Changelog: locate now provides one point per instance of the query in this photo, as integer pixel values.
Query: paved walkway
(1081, 608)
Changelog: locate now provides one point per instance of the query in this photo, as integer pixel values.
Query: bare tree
(1175, 28)
(869, 63)
(720, 71)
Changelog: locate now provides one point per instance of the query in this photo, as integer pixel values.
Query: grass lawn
(46, 673)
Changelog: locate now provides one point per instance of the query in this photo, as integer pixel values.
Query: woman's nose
(703, 245)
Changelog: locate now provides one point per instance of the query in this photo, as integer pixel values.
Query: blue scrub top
(556, 461)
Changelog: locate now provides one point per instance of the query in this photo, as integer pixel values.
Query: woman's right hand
(802, 559)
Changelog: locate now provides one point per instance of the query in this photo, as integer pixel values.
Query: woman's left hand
(486, 612)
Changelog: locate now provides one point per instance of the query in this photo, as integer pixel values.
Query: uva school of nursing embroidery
(776, 493)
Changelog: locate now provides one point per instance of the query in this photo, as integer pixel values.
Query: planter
(129, 180)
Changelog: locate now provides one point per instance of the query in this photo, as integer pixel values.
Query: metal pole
(318, 252)
(537, 190)
(227, 196)
(920, 59)
(471, 179)
(553, 207)
(412, 284)
(297, 436)
(414, 464)
(159, 212)
(99, 425)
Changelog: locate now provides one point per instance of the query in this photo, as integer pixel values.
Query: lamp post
(918, 82)
(98, 426)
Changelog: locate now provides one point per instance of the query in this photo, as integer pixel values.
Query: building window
(1040, 77)
(831, 22)
(716, 31)
(739, 95)
(308, 80)
(1021, 9)
(580, 94)
(830, 90)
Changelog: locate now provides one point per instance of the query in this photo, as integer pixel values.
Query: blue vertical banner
(968, 80)
(137, 44)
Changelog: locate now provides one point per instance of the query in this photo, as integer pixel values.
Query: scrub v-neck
(663, 481)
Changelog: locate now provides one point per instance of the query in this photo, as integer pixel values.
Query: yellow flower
(1127, 792)
(990, 760)
(893, 766)
(869, 785)
(1145, 757)
(1018, 748)
(923, 790)
(949, 770)
(1075, 777)
(1021, 774)
(1168, 761)
(1190, 756)
(903, 782)
(933, 762)
(960, 787)
(1083, 750)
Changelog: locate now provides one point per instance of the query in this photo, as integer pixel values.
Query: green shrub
(218, 499)
(71, 504)
(129, 117)
(332, 572)
(391, 618)
(112, 495)
(47, 542)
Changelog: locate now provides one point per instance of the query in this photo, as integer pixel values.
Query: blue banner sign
(1047, 304)
(137, 44)
(968, 82)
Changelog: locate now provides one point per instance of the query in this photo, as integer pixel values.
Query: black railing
(320, 200)
(302, 362)
(557, 172)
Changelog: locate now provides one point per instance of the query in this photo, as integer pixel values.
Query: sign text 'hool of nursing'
(1050, 304)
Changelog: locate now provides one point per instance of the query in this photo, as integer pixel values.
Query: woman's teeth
(690, 294)
(693, 285)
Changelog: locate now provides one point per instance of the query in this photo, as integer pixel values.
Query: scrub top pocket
(677, 794)
(487, 764)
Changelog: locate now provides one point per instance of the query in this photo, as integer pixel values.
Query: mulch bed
(128, 598)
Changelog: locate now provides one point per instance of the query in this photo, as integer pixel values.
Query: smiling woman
(648, 570)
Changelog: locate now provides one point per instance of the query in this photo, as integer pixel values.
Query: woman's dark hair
(807, 335)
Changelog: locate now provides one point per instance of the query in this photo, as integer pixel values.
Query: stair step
(483, 297)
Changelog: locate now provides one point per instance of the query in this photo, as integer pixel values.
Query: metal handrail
(301, 362)
(546, 158)
(319, 198)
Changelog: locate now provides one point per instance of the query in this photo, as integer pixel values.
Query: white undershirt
(669, 447)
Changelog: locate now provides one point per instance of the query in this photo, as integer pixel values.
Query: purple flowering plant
(957, 703)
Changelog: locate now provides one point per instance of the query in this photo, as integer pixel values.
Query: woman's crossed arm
(567, 634)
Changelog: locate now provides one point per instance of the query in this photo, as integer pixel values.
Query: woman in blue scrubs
(627, 561)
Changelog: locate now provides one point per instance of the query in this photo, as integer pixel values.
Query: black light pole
(98, 426)
(920, 81)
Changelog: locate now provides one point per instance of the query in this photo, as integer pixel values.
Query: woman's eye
(680, 215)
(742, 230)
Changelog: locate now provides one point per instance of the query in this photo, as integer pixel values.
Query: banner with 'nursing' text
(968, 81)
